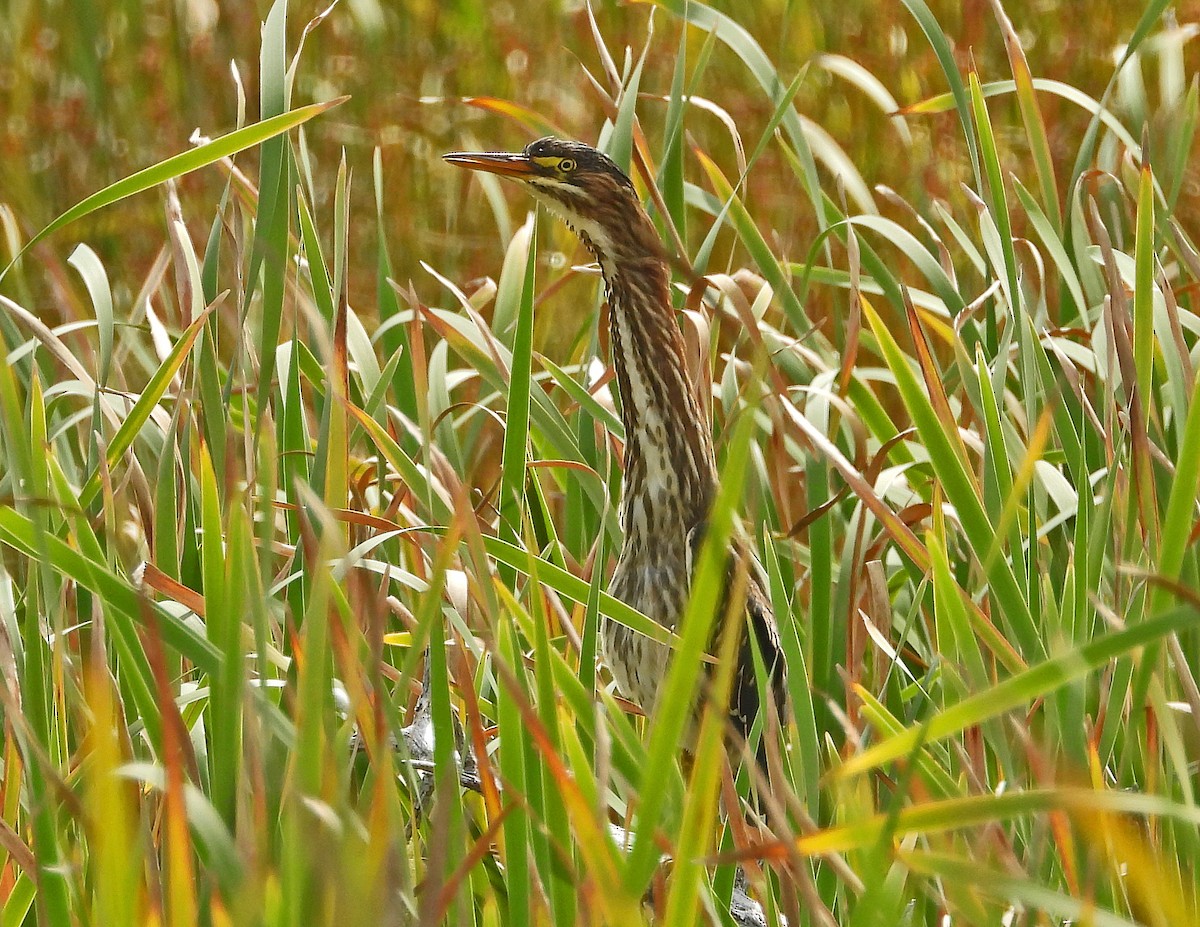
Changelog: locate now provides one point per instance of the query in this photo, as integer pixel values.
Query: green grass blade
(676, 701)
(516, 431)
(1143, 292)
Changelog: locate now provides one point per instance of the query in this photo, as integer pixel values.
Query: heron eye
(566, 165)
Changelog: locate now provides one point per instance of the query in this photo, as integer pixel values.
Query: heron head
(583, 186)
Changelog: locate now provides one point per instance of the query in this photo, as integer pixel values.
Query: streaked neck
(670, 469)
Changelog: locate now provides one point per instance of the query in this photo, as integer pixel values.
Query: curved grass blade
(996, 199)
(755, 243)
(510, 286)
(1046, 229)
(944, 102)
(1028, 893)
(750, 52)
(974, 810)
(585, 400)
(1143, 291)
(177, 166)
(86, 261)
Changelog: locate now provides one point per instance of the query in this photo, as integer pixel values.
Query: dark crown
(586, 157)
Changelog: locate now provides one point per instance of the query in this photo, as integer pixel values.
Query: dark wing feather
(744, 701)
(760, 631)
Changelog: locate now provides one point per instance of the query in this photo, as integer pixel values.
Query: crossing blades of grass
(1022, 688)
(958, 483)
(147, 402)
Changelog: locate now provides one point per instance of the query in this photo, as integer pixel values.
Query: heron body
(670, 475)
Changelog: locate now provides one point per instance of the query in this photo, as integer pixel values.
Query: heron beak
(509, 165)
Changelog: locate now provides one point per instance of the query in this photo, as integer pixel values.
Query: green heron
(670, 470)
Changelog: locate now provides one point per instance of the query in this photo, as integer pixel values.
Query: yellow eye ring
(566, 165)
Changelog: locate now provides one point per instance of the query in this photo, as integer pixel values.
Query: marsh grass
(261, 531)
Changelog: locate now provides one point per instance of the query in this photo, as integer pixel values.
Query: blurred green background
(90, 91)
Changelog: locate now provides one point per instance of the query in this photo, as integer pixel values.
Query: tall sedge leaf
(516, 431)
(800, 685)
(512, 767)
(203, 282)
(696, 832)
(1181, 503)
(670, 170)
(825, 644)
(955, 636)
(1143, 292)
(1143, 364)
(1031, 116)
(557, 832)
(224, 627)
(110, 809)
(619, 144)
(997, 200)
(333, 452)
(35, 680)
(1181, 143)
(998, 469)
(318, 271)
(675, 703)
(440, 703)
(271, 241)
(589, 647)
